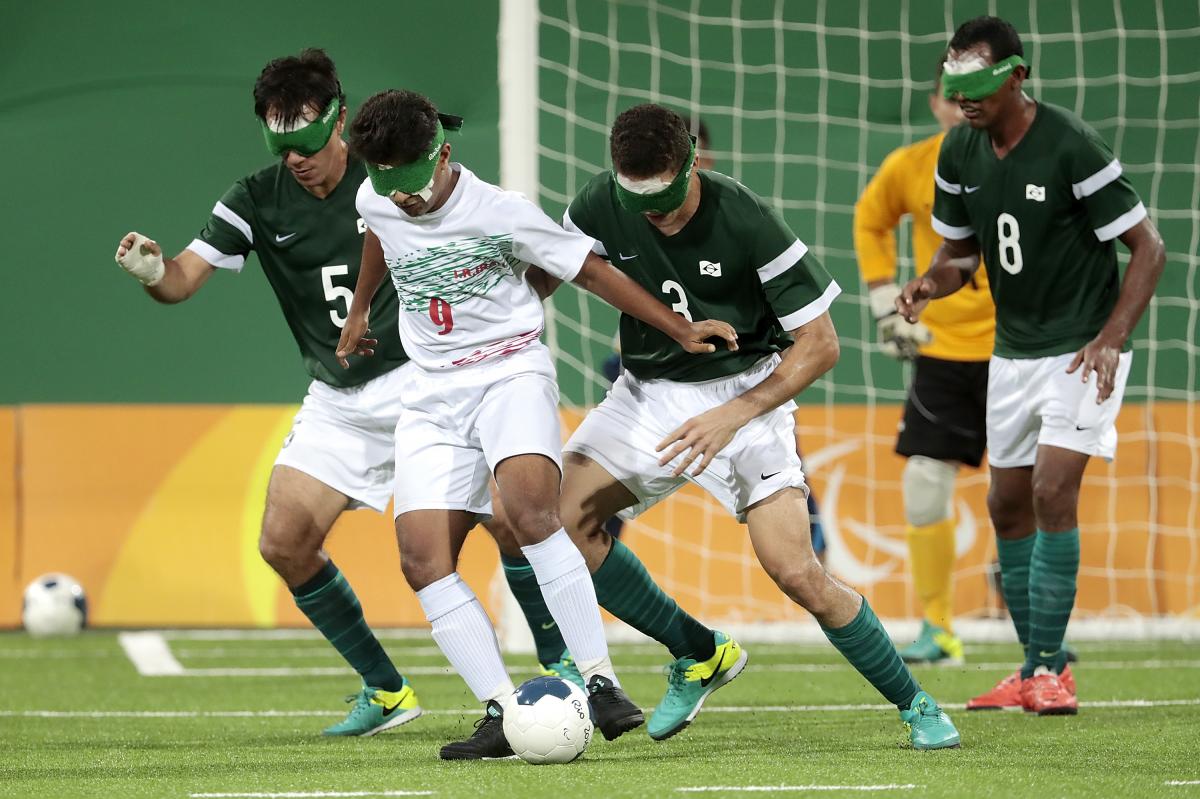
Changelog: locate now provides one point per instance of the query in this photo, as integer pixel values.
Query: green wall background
(138, 115)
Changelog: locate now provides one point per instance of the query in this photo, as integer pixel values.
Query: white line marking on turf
(1182, 782)
(772, 788)
(150, 654)
(187, 714)
(305, 794)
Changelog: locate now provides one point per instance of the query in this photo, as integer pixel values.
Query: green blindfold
(981, 83)
(308, 138)
(659, 202)
(415, 177)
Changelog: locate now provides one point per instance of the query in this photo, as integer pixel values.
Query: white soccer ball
(54, 604)
(547, 720)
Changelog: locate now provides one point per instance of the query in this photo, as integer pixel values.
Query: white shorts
(345, 437)
(621, 433)
(1033, 401)
(458, 425)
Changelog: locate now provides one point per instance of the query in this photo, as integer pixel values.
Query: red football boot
(1067, 679)
(1006, 694)
(1045, 694)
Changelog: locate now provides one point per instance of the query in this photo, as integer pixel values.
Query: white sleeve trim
(782, 262)
(229, 215)
(1089, 186)
(814, 309)
(215, 257)
(949, 231)
(1122, 223)
(569, 224)
(945, 185)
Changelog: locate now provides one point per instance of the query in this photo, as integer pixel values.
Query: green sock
(524, 585)
(866, 645)
(330, 604)
(1052, 578)
(1015, 554)
(626, 590)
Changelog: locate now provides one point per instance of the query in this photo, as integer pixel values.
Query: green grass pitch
(77, 720)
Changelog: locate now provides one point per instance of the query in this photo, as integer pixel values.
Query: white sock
(567, 588)
(464, 633)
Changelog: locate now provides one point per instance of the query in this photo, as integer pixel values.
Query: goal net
(803, 101)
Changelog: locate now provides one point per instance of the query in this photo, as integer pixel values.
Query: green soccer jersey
(310, 250)
(735, 261)
(1046, 217)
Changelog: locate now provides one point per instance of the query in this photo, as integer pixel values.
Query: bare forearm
(182, 277)
(1146, 261)
(814, 352)
(617, 289)
(952, 266)
(371, 273)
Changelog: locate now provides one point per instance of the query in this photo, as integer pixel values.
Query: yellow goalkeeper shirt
(963, 324)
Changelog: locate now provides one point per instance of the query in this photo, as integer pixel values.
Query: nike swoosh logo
(704, 681)
(387, 711)
(970, 189)
(767, 476)
(1077, 427)
(625, 257)
(1047, 654)
(549, 625)
(281, 239)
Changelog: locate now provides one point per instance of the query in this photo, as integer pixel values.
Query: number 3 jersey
(459, 271)
(1046, 217)
(310, 250)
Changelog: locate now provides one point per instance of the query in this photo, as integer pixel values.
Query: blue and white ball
(54, 604)
(547, 720)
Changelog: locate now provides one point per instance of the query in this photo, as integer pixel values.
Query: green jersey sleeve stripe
(215, 257)
(814, 309)
(1122, 223)
(950, 231)
(782, 262)
(1091, 185)
(947, 186)
(223, 211)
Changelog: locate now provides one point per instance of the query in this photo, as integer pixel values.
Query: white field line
(304, 794)
(1181, 782)
(785, 788)
(150, 654)
(190, 714)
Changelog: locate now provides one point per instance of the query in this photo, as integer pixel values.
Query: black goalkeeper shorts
(945, 416)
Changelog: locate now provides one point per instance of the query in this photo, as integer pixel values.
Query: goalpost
(803, 100)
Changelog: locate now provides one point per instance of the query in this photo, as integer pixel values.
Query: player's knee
(1010, 518)
(501, 531)
(283, 547)
(533, 524)
(928, 490)
(419, 572)
(805, 584)
(1055, 500)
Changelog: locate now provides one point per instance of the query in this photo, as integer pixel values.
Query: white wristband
(147, 268)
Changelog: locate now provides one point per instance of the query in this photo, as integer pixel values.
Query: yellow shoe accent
(952, 645)
(724, 656)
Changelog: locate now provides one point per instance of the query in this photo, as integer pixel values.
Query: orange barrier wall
(155, 509)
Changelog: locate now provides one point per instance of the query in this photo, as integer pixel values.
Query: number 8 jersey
(459, 271)
(1046, 217)
(310, 250)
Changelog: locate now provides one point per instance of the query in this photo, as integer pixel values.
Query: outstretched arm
(370, 277)
(1147, 255)
(167, 280)
(951, 269)
(620, 291)
(814, 351)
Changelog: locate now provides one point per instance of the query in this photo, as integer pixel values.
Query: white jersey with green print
(459, 271)
(1046, 217)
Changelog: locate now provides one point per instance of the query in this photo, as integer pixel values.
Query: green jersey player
(298, 216)
(1039, 195)
(709, 248)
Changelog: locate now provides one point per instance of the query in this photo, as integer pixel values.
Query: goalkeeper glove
(898, 338)
(143, 260)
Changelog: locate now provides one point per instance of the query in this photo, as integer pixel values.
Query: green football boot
(689, 683)
(934, 646)
(928, 725)
(376, 710)
(564, 668)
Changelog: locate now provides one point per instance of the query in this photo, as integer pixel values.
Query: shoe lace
(361, 701)
(676, 675)
(482, 725)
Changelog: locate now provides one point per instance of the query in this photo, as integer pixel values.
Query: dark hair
(393, 127)
(697, 127)
(1000, 36)
(648, 140)
(289, 86)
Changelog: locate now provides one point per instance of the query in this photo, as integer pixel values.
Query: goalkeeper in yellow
(943, 425)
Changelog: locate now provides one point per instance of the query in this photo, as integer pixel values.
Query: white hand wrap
(898, 338)
(147, 268)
